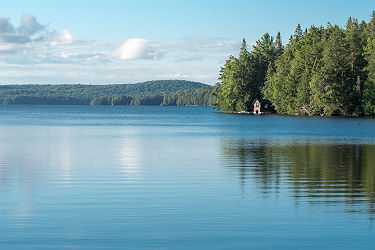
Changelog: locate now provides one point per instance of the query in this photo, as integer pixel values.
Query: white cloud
(5, 47)
(30, 40)
(188, 58)
(137, 48)
(25, 33)
(64, 38)
(31, 43)
(30, 53)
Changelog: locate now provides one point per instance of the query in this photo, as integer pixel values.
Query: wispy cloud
(193, 49)
(32, 43)
(189, 58)
(31, 52)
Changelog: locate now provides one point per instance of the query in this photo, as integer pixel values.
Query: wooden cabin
(263, 106)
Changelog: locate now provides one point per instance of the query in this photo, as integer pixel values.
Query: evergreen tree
(238, 86)
(278, 45)
(336, 69)
(242, 79)
(369, 87)
(265, 54)
(228, 94)
(298, 33)
(357, 62)
(371, 25)
(322, 71)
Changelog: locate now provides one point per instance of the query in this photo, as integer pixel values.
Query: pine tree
(247, 88)
(243, 50)
(321, 71)
(371, 25)
(357, 77)
(265, 55)
(239, 81)
(227, 93)
(298, 33)
(369, 86)
(336, 67)
(278, 45)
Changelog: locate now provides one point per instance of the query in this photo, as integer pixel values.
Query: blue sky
(131, 41)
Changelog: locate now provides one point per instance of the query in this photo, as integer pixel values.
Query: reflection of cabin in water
(263, 106)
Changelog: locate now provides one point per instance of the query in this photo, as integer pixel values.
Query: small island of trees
(320, 71)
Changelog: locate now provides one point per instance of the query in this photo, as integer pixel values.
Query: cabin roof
(263, 101)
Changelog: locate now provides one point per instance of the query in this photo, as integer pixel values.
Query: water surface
(96, 177)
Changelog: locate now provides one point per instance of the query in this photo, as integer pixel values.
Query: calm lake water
(97, 177)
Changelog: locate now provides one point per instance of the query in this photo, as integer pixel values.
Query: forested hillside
(320, 71)
(162, 92)
(191, 97)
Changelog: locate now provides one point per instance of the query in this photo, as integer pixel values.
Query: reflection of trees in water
(316, 172)
(253, 159)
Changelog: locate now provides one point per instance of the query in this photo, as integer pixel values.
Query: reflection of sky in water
(131, 157)
(30, 157)
(180, 179)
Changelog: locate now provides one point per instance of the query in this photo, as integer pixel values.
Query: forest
(160, 92)
(323, 71)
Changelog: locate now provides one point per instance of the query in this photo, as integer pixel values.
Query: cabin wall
(257, 107)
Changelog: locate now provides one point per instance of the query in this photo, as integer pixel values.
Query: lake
(118, 177)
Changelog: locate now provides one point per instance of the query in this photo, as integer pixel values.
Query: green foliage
(369, 88)
(325, 71)
(335, 71)
(228, 93)
(198, 97)
(321, 71)
(147, 100)
(242, 78)
(147, 93)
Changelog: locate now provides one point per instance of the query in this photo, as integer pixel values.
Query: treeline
(320, 71)
(193, 97)
(163, 92)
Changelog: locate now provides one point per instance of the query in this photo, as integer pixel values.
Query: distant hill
(112, 94)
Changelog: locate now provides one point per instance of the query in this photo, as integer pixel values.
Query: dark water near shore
(84, 177)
